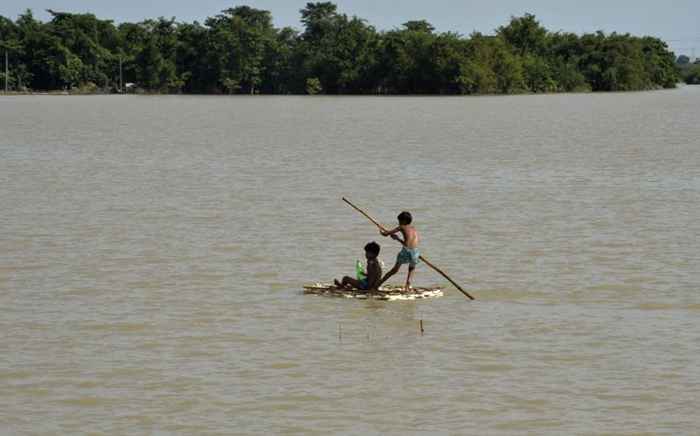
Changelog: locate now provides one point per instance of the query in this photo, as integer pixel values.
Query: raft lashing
(386, 293)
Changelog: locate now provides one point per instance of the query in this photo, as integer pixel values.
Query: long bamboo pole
(381, 227)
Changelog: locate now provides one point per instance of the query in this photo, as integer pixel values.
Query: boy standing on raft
(409, 254)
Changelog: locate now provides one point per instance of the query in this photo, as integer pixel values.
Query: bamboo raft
(386, 293)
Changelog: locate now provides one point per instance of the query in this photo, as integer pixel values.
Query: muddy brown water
(153, 252)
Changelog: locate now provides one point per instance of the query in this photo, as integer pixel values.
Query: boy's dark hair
(373, 248)
(405, 218)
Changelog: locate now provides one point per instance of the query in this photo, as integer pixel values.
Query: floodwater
(153, 252)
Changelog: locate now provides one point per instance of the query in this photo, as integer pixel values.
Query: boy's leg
(389, 273)
(409, 277)
(352, 282)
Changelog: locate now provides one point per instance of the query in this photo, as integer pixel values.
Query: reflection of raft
(390, 293)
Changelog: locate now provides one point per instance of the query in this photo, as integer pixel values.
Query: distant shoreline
(157, 94)
(240, 51)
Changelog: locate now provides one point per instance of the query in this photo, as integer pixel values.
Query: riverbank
(150, 93)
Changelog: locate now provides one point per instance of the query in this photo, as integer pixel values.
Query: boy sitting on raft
(409, 254)
(374, 272)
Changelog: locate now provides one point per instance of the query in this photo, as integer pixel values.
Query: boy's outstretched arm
(390, 232)
(393, 234)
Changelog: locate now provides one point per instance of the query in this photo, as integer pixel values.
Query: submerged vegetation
(690, 72)
(691, 75)
(240, 51)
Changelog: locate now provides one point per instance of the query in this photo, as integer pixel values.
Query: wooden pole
(439, 271)
(121, 89)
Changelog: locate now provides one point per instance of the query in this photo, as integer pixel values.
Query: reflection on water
(153, 250)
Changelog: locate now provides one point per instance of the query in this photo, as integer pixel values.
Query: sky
(675, 21)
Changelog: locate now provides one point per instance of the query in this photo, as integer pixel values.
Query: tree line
(240, 51)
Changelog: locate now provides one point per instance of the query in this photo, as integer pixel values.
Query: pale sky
(675, 21)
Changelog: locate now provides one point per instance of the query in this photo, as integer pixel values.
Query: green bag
(360, 270)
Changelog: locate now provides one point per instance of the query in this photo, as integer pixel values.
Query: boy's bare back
(410, 236)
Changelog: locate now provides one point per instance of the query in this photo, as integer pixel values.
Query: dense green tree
(567, 76)
(525, 35)
(43, 54)
(476, 78)
(658, 62)
(240, 51)
(477, 72)
(340, 51)
(538, 74)
(419, 26)
(281, 64)
(449, 52)
(407, 60)
(91, 43)
(241, 36)
(498, 69)
(509, 73)
(190, 51)
(319, 20)
(153, 55)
